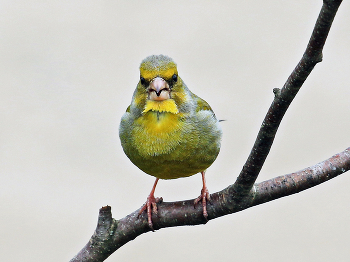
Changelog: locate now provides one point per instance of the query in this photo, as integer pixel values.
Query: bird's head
(160, 88)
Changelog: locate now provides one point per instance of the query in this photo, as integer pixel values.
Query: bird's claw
(151, 206)
(204, 198)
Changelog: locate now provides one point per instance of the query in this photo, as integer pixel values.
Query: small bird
(168, 132)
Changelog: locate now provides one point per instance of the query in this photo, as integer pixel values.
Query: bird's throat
(168, 106)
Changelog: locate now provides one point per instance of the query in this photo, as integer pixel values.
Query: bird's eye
(142, 80)
(174, 77)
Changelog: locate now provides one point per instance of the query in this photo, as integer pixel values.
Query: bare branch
(111, 234)
(309, 177)
(284, 97)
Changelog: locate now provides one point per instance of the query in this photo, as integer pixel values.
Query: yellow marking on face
(168, 105)
(165, 73)
(161, 66)
(179, 96)
(140, 98)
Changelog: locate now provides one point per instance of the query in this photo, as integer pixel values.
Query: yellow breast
(157, 133)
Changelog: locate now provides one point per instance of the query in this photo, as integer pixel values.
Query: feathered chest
(157, 133)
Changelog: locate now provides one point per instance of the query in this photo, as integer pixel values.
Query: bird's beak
(158, 89)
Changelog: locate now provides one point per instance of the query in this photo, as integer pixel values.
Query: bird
(167, 131)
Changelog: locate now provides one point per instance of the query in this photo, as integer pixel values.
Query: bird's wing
(201, 104)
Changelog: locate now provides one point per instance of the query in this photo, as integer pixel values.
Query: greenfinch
(168, 132)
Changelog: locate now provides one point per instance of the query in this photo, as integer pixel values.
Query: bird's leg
(151, 205)
(204, 197)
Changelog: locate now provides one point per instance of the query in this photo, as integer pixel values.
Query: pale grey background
(68, 70)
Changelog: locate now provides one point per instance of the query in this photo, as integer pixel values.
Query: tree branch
(111, 234)
(284, 97)
(295, 182)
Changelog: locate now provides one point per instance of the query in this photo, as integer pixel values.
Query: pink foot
(151, 205)
(204, 198)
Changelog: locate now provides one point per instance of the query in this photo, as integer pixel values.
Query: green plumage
(165, 144)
